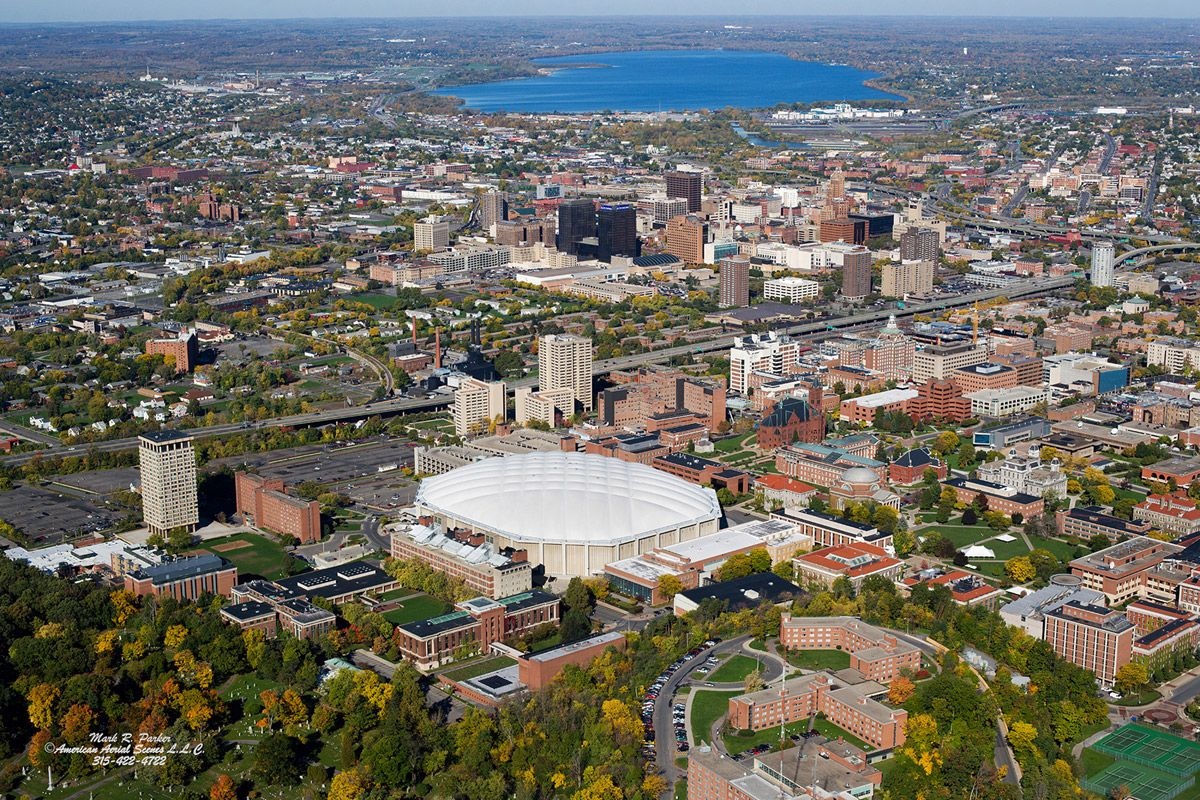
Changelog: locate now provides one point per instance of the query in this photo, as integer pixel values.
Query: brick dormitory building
(264, 503)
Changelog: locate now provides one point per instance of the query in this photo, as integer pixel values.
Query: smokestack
(414, 331)
(437, 349)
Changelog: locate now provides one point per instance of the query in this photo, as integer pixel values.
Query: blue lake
(670, 80)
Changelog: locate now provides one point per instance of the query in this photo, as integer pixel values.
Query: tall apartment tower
(493, 208)
(735, 282)
(687, 185)
(476, 404)
(431, 234)
(685, 238)
(856, 273)
(616, 231)
(1102, 264)
(919, 244)
(168, 466)
(576, 220)
(565, 362)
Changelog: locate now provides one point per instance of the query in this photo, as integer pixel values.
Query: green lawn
(993, 568)
(417, 607)
(732, 443)
(263, 556)
(1094, 761)
(707, 707)
(1061, 549)
(1140, 699)
(1006, 550)
(378, 301)
(734, 669)
(477, 668)
(831, 731)
(758, 644)
(961, 535)
(820, 659)
(737, 743)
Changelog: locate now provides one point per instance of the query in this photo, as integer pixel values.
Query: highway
(810, 331)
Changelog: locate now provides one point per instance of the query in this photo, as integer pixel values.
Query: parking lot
(51, 517)
(328, 464)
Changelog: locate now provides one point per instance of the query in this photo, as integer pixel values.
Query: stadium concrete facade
(572, 512)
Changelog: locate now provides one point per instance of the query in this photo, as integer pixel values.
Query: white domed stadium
(572, 512)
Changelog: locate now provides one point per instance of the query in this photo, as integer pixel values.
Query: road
(664, 739)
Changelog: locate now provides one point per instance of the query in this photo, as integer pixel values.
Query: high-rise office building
(856, 273)
(576, 220)
(431, 234)
(1102, 264)
(685, 238)
(565, 362)
(837, 186)
(688, 185)
(616, 231)
(476, 404)
(735, 282)
(919, 244)
(167, 462)
(493, 208)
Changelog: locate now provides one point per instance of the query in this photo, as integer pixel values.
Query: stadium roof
(567, 497)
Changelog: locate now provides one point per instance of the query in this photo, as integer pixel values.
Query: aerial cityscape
(599, 406)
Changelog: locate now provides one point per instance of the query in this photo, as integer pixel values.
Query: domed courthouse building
(572, 512)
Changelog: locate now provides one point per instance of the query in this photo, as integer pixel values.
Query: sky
(125, 10)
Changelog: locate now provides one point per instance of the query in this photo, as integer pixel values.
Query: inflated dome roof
(567, 497)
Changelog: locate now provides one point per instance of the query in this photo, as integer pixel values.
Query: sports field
(1152, 764)
(252, 554)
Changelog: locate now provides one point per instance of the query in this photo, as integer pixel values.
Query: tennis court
(1143, 783)
(1152, 748)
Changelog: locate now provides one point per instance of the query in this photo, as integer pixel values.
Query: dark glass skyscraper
(576, 220)
(616, 229)
(687, 185)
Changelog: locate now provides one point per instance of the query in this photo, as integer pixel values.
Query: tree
(350, 784)
(969, 516)
(223, 789)
(277, 760)
(1131, 677)
(1022, 736)
(577, 597)
(904, 542)
(753, 681)
(1019, 569)
(42, 698)
(966, 454)
(946, 442)
(575, 626)
(900, 690)
(175, 636)
(669, 585)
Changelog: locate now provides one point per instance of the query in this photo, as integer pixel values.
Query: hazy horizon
(50, 11)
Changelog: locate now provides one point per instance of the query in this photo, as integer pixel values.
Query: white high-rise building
(167, 462)
(791, 290)
(431, 234)
(1102, 264)
(476, 404)
(565, 362)
(770, 352)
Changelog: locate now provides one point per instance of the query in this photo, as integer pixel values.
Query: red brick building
(474, 627)
(184, 349)
(790, 420)
(262, 502)
(535, 671)
(910, 467)
(1096, 638)
(184, 578)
